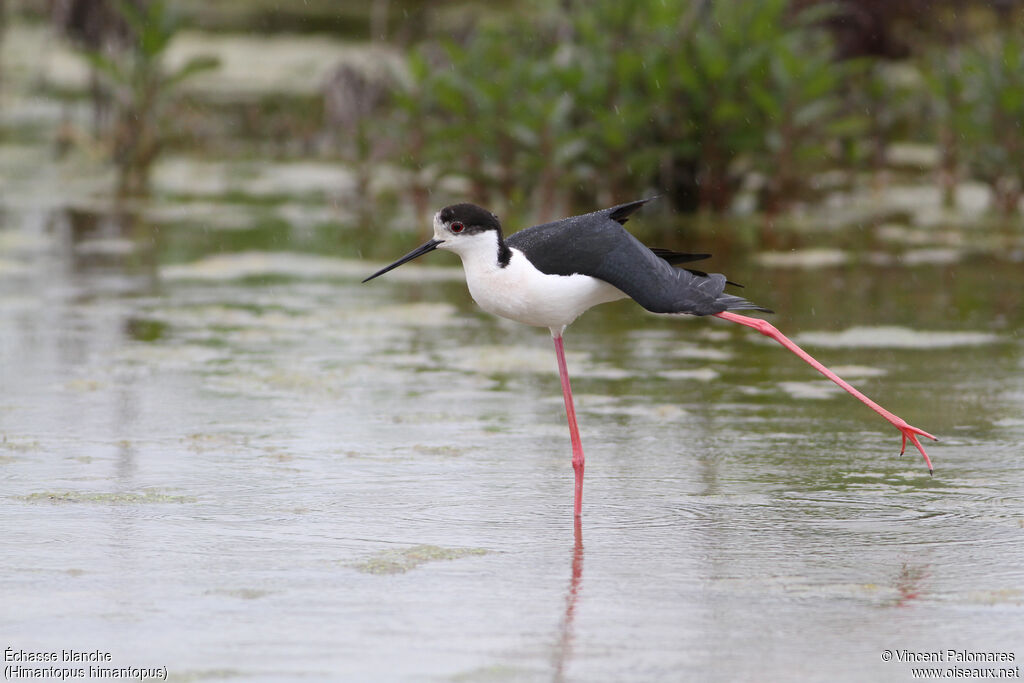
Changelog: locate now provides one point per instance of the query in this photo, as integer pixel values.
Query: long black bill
(415, 253)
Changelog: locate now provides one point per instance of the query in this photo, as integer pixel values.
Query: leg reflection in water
(563, 652)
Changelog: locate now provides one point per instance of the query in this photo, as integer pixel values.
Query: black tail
(738, 303)
(675, 257)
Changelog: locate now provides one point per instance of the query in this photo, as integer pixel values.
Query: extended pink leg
(767, 329)
(574, 432)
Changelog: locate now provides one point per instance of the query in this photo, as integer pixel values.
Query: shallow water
(239, 463)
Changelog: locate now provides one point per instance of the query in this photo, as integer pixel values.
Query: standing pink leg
(767, 329)
(574, 432)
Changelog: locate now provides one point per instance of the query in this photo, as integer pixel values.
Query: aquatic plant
(143, 87)
(944, 96)
(977, 97)
(713, 69)
(804, 110)
(353, 101)
(995, 122)
(886, 93)
(617, 101)
(612, 99)
(707, 93)
(494, 110)
(413, 115)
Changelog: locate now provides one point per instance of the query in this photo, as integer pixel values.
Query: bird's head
(460, 228)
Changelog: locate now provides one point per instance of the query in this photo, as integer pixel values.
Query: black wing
(675, 257)
(597, 245)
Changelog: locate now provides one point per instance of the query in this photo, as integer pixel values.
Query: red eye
(457, 227)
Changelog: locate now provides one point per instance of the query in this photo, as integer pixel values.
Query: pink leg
(767, 329)
(574, 432)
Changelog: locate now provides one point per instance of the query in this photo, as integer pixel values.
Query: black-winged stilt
(549, 274)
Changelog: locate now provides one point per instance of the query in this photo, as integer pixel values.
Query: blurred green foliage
(142, 86)
(977, 95)
(496, 111)
(553, 107)
(624, 97)
(612, 99)
(992, 126)
(888, 96)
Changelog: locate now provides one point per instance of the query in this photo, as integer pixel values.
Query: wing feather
(597, 245)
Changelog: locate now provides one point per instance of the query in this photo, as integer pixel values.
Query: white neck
(478, 250)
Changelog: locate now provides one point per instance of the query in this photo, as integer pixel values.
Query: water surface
(231, 459)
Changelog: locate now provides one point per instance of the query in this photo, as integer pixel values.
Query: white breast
(522, 293)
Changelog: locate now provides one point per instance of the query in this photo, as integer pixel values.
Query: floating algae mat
(146, 498)
(401, 561)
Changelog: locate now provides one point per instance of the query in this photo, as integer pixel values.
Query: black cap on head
(471, 215)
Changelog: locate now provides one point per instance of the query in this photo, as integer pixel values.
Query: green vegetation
(407, 559)
(619, 98)
(978, 93)
(145, 498)
(142, 86)
(495, 111)
(724, 107)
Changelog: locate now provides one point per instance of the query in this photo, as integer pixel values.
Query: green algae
(144, 498)
(496, 672)
(241, 593)
(407, 559)
(19, 445)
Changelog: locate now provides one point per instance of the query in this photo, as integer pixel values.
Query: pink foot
(911, 432)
